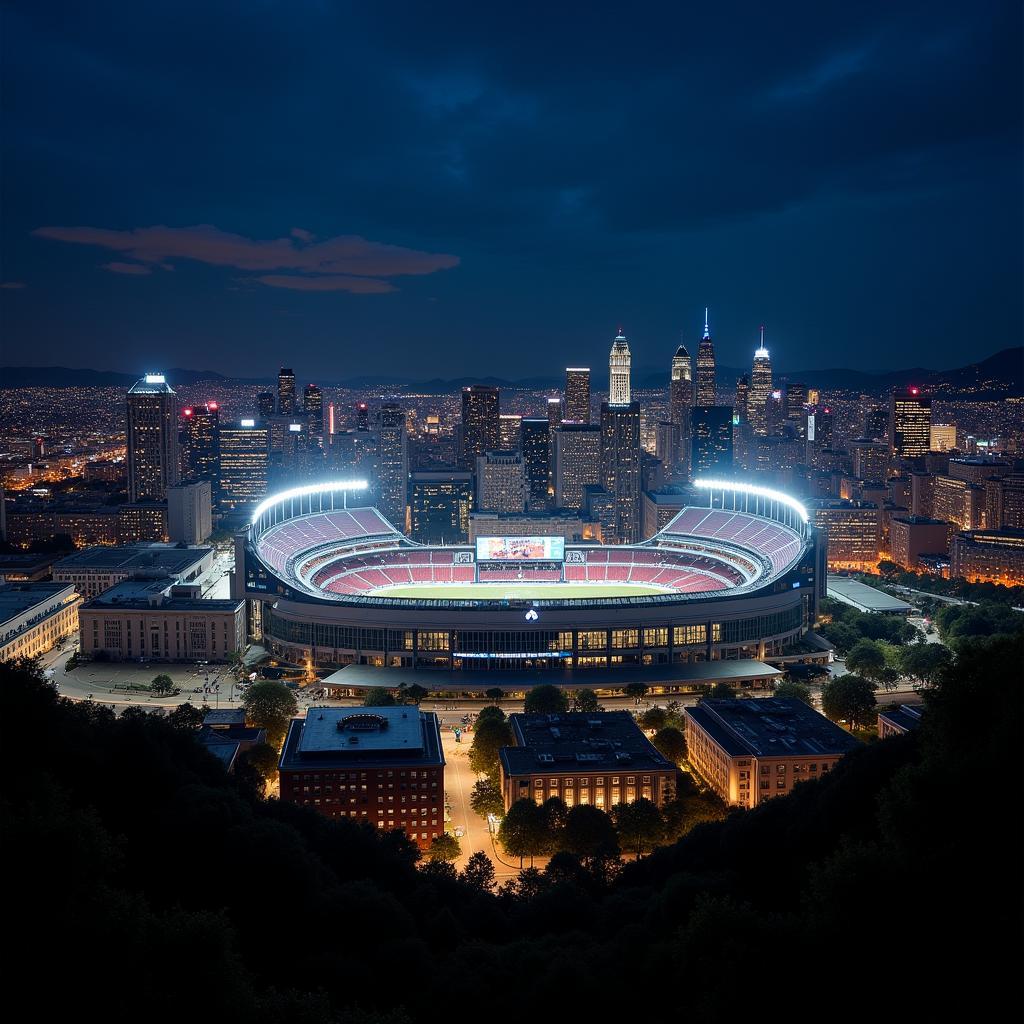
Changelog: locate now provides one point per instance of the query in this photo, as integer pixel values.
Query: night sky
(426, 189)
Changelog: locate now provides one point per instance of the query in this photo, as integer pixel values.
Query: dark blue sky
(490, 189)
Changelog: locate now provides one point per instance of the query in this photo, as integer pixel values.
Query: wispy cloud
(13, 285)
(343, 263)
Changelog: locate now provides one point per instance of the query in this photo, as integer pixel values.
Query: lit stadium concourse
(333, 584)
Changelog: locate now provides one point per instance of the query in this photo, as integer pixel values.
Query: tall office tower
(742, 408)
(818, 435)
(774, 414)
(244, 465)
(712, 441)
(354, 454)
(392, 464)
(760, 388)
(577, 394)
(362, 416)
(620, 466)
(295, 463)
(942, 437)
(672, 451)
(265, 404)
(510, 432)
(796, 399)
(576, 462)
(313, 407)
(439, 505)
(154, 462)
(870, 459)
(189, 516)
(876, 423)
(554, 413)
(680, 387)
(704, 393)
(286, 392)
(480, 432)
(618, 371)
(910, 421)
(537, 455)
(501, 482)
(201, 457)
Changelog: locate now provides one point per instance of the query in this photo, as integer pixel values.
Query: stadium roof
(865, 598)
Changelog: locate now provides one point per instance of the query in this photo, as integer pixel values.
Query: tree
(890, 570)
(486, 798)
(479, 872)
(545, 700)
(416, 693)
(925, 661)
(490, 714)
(523, 832)
(270, 705)
(671, 744)
(495, 693)
(589, 833)
(792, 690)
(640, 825)
(554, 812)
(263, 757)
(237, 661)
(162, 683)
(444, 847)
(653, 718)
(867, 659)
(848, 698)
(187, 716)
(488, 739)
(584, 700)
(635, 690)
(722, 691)
(378, 698)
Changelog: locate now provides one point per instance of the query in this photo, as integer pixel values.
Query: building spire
(707, 332)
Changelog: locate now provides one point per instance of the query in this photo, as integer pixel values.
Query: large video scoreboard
(520, 549)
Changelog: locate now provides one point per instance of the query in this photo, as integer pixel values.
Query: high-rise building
(201, 456)
(286, 392)
(480, 430)
(853, 530)
(392, 464)
(619, 360)
(959, 502)
(501, 482)
(620, 466)
(313, 407)
(818, 435)
(537, 456)
(362, 416)
(712, 441)
(576, 461)
(705, 391)
(680, 387)
(554, 413)
(672, 450)
(244, 465)
(154, 463)
(673, 445)
(760, 388)
(440, 502)
(510, 432)
(1004, 503)
(876, 424)
(189, 512)
(910, 422)
(911, 536)
(942, 437)
(577, 394)
(870, 459)
(265, 404)
(796, 399)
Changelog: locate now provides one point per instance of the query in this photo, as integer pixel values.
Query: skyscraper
(154, 462)
(705, 390)
(244, 465)
(577, 394)
(680, 387)
(202, 445)
(742, 407)
(712, 440)
(554, 413)
(500, 482)
(362, 416)
(577, 463)
(439, 505)
(313, 407)
(265, 404)
(537, 455)
(480, 432)
(392, 464)
(910, 422)
(510, 432)
(286, 392)
(760, 388)
(675, 444)
(620, 466)
(618, 371)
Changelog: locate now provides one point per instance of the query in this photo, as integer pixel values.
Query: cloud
(335, 264)
(127, 268)
(328, 283)
(13, 285)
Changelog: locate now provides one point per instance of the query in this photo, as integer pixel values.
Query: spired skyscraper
(286, 391)
(760, 388)
(577, 394)
(619, 361)
(154, 461)
(705, 390)
(674, 448)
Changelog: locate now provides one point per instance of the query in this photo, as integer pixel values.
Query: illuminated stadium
(334, 584)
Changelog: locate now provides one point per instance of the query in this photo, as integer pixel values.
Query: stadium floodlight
(760, 492)
(302, 492)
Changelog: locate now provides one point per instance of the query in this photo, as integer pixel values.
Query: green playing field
(516, 591)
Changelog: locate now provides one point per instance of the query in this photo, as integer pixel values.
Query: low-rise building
(381, 766)
(995, 556)
(34, 617)
(749, 751)
(97, 569)
(661, 507)
(601, 759)
(910, 537)
(899, 720)
(159, 621)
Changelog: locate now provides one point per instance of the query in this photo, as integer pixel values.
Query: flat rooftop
(603, 741)
(18, 598)
(166, 558)
(773, 727)
(146, 594)
(906, 716)
(863, 597)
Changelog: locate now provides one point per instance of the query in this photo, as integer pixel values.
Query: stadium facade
(331, 583)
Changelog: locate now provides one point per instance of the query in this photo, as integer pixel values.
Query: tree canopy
(270, 705)
(545, 700)
(850, 699)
